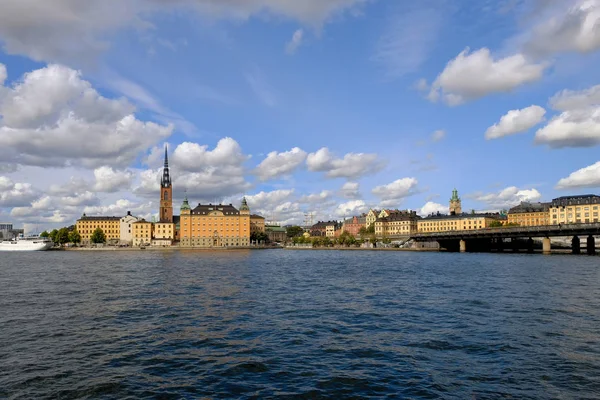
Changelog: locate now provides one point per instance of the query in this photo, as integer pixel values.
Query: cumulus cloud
(572, 100)
(350, 190)
(69, 30)
(120, 208)
(351, 208)
(295, 42)
(352, 166)
(573, 27)
(16, 194)
(432, 208)
(472, 75)
(516, 121)
(317, 198)
(508, 197)
(583, 178)
(280, 164)
(393, 193)
(277, 206)
(108, 180)
(55, 118)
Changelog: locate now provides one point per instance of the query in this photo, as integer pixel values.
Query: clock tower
(166, 194)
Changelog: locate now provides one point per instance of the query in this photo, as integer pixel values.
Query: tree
(74, 237)
(53, 235)
(44, 234)
(98, 236)
(62, 236)
(496, 224)
(371, 229)
(294, 231)
(363, 232)
(259, 237)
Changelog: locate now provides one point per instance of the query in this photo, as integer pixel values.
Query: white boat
(33, 243)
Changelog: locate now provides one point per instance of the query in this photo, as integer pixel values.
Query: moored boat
(33, 243)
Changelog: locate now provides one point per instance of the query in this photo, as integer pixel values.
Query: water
(298, 324)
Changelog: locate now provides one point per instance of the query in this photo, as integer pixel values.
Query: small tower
(166, 194)
(185, 208)
(455, 203)
(244, 209)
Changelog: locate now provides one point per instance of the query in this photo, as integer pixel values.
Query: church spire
(165, 181)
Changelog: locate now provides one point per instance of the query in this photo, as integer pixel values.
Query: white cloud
(472, 75)
(432, 208)
(16, 194)
(438, 135)
(516, 121)
(317, 198)
(351, 208)
(3, 74)
(295, 42)
(280, 164)
(352, 166)
(191, 157)
(350, 190)
(276, 206)
(576, 128)
(508, 197)
(110, 181)
(572, 100)
(69, 30)
(573, 27)
(54, 118)
(582, 178)
(120, 208)
(393, 193)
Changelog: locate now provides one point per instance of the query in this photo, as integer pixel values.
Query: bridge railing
(512, 230)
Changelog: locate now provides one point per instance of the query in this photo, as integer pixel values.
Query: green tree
(326, 241)
(53, 235)
(44, 234)
(294, 231)
(62, 236)
(496, 224)
(371, 229)
(74, 237)
(259, 237)
(98, 236)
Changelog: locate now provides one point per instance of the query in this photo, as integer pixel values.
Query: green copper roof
(185, 205)
(455, 196)
(244, 206)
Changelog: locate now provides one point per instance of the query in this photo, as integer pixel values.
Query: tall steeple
(166, 193)
(455, 203)
(165, 181)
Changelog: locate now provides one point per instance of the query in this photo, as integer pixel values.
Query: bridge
(490, 239)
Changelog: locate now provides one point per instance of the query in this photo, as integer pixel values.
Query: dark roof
(526, 207)
(576, 200)
(176, 219)
(204, 209)
(322, 224)
(99, 218)
(398, 216)
(461, 216)
(256, 216)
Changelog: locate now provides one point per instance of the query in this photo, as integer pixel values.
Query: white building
(126, 236)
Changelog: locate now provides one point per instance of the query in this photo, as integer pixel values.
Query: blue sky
(248, 94)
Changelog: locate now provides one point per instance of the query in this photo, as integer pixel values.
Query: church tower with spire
(166, 194)
(455, 203)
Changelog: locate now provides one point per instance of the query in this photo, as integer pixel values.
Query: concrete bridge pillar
(546, 245)
(500, 245)
(591, 245)
(530, 245)
(515, 245)
(463, 246)
(576, 245)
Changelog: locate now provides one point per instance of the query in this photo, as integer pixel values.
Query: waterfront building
(371, 217)
(529, 214)
(142, 232)
(217, 225)
(455, 203)
(353, 225)
(126, 231)
(397, 224)
(333, 229)
(574, 209)
(455, 222)
(257, 224)
(320, 228)
(5, 230)
(111, 226)
(276, 233)
(164, 233)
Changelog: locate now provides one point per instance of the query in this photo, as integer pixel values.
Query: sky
(328, 107)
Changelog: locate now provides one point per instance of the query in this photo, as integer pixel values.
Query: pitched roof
(98, 218)
(204, 209)
(526, 207)
(461, 216)
(256, 216)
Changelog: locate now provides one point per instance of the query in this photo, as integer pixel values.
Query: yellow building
(111, 226)
(397, 223)
(142, 232)
(529, 214)
(211, 226)
(164, 234)
(257, 224)
(574, 209)
(371, 217)
(461, 222)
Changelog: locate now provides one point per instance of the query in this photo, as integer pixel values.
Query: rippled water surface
(298, 324)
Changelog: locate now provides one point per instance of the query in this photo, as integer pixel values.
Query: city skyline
(327, 107)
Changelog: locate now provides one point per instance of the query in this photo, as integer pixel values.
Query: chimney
(128, 212)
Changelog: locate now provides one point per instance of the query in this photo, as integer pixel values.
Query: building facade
(371, 217)
(574, 209)
(276, 233)
(461, 222)
(397, 224)
(353, 225)
(530, 214)
(111, 226)
(142, 231)
(5, 230)
(214, 226)
(257, 224)
(333, 229)
(126, 230)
